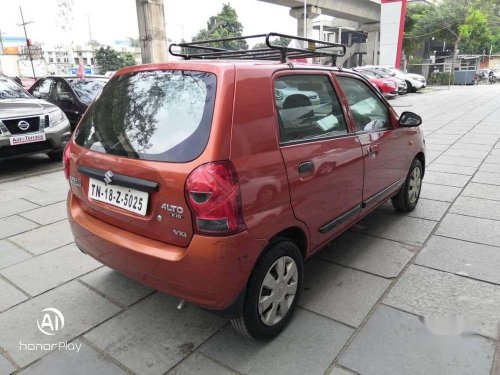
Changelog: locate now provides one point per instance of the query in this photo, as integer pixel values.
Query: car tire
(410, 87)
(264, 318)
(407, 198)
(55, 155)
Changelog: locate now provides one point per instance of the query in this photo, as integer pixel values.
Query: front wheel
(407, 198)
(272, 292)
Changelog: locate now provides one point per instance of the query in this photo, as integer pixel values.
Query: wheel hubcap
(414, 185)
(278, 290)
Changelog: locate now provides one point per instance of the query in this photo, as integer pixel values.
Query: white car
(414, 81)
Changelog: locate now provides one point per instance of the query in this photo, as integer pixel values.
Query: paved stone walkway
(399, 294)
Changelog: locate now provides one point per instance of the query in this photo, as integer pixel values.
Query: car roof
(75, 77)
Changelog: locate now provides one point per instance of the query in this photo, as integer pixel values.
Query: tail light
(66, 160)
(213, 194)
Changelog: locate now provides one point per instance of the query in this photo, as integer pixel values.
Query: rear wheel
(272, 292)
(410, 87)
(407, 198)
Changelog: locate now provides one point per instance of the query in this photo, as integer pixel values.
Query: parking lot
(415, 293)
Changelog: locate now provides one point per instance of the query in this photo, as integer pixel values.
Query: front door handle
(306, 167)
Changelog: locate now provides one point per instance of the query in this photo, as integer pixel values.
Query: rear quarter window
(162, 115)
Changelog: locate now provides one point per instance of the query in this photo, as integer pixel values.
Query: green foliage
(224, 25)
(280, 41)
(107, 59)
(471, 26)
(438, 78)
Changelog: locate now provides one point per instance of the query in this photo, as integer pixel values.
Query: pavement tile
(50, 270)
(469, 171)
(456, 152)
(367, 253)
(487, 178)
(17, 192)
(307, 346)
(457, 160)
(409, 230)
(117, 287)
(493, 159)
(488, 209)
(449, 179)
(48, 214)
(198, 364)
(82, 310)
(86, 361)
(425, 209)
(395, 343)
(9, 295)
(340, 293)
(15, 206)
(439, 192)
(152, 336)
(487, 167)
(468, 146)
(44, 198)
(339, 371)
(6, 367)
(470, 229)
(58, 182)
(11, 254)
(490, 192)
(12, 225)
(45, 238)
(461, 257)
(431, 293)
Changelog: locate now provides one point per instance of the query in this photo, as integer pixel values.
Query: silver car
(29, 125)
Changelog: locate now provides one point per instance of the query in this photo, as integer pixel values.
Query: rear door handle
(306, 167)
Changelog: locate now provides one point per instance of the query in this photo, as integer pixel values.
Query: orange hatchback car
(214, 180)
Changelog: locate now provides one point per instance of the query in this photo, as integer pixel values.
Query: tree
(224, 25)
(281, 41)
(107, 59)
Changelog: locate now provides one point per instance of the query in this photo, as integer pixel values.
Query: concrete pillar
(152, 36)
(372, 47)
(311, 13)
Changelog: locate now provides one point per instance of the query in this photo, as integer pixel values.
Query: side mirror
(409, 120)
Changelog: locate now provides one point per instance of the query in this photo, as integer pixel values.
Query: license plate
(28, 138)
(119, 196)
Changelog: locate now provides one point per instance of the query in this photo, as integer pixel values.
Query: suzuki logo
(23, 125)
(108, 177)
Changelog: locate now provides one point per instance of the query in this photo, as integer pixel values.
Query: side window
(43, 90)
(369, 113)
(308, 108)
(63, 91)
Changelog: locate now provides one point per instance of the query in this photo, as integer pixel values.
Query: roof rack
(203, 49)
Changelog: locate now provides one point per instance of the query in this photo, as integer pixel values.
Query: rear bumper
(211, 272)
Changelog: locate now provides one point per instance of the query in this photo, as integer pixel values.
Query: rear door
(384, 159)
(323, 157)
(137, 144)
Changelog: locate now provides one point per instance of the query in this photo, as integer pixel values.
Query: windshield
(162, 115)
(87, 89)
(11, 90)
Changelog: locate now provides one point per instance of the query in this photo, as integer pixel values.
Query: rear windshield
(162, 115)
(87, 89)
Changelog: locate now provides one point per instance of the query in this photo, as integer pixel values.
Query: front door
(384, 165)
(323, 157)
(64, 97)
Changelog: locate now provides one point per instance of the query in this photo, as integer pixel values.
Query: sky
(112, 20)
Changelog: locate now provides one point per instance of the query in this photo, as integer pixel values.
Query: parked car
(73, 95)
(401, 83)
(388, 88)
(29, 125)
(414, 84)
(162, 168)
(283, 90)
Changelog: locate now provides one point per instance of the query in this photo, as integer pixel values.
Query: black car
(72, 94)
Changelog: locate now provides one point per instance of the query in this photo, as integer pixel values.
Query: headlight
(56, 117)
